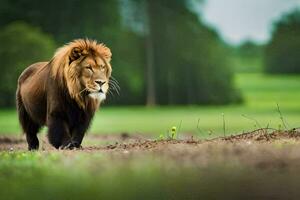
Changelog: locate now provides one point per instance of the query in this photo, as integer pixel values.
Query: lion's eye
(102, 68)
(89, 67)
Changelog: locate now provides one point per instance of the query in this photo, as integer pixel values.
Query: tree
(162, 54)
(282, 52)
(21, 45)
(101, 20)
(190, 61)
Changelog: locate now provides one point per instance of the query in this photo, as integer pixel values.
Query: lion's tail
(23, 116)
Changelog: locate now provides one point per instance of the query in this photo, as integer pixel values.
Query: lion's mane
(66, 75)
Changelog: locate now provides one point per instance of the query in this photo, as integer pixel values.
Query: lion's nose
(100, 83)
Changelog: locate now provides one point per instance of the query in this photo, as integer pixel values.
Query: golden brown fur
(64, 92)
(61, 70)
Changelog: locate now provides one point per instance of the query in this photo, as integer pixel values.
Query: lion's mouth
(100, 95)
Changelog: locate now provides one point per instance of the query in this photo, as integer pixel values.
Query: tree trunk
(150, 82)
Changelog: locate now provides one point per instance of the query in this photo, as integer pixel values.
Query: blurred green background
(175, 67)
(208, 67)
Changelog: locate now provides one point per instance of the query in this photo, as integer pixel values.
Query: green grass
(80, 175)
(261, 91)
(99, 175)
(261, 95)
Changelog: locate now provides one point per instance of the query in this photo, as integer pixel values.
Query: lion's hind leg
(29, 127)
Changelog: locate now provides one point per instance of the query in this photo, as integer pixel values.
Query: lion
(64, 93)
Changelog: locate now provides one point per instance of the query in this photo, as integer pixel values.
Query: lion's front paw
(71, 146)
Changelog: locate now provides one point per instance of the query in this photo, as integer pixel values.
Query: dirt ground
(262, 148)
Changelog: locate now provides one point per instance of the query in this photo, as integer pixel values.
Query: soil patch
(126, 141)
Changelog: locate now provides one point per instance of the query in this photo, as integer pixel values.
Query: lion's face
(94, 76)
(83, 66)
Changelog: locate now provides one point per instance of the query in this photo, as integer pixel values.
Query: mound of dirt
(125, 141)
(264, 135)
(10, 140)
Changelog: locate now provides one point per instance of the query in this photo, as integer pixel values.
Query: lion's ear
(75, 54)
(107, 53)
(104, 51)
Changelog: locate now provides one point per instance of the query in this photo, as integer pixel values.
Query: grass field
(165, 169)
(261, 95)
(113, 167)
(82, 175)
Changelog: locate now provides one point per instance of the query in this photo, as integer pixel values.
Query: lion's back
(30, 71)
(31, 88)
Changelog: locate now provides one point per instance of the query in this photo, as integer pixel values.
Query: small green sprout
(170, 134)
(279, 127)
(173, 132)
(161, 137)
